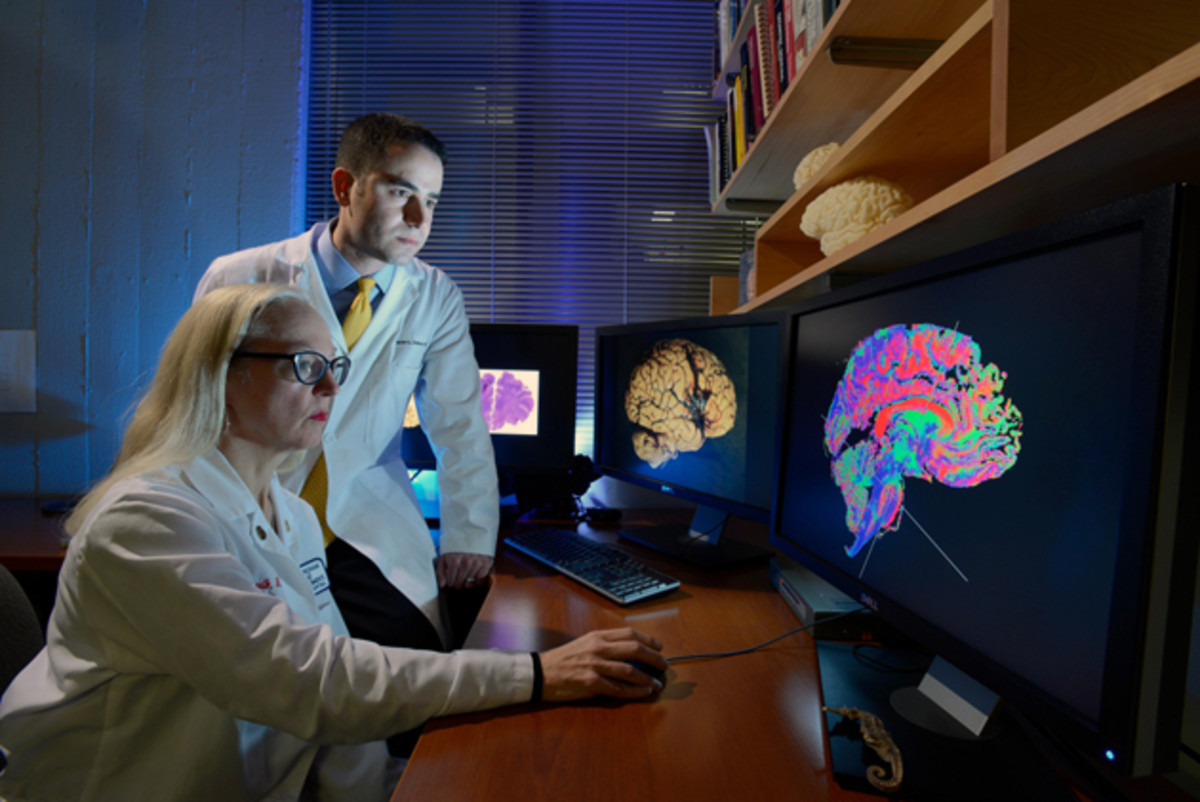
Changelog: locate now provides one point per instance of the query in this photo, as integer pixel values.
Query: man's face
(386, 216)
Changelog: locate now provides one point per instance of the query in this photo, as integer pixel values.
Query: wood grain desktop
(743, 727)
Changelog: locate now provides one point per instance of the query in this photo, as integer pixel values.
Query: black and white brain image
(679, 396)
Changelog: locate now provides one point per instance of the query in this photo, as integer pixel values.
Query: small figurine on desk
(876, 736)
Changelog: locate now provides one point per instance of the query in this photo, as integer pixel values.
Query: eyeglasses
(308, 365)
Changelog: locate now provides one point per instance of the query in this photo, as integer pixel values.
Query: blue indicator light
(1110, 754)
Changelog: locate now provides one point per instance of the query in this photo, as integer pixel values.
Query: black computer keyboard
(603, 568)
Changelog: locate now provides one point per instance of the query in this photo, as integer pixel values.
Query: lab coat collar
(298, 251)
(215, 479)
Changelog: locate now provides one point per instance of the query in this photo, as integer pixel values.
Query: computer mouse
(656, 673)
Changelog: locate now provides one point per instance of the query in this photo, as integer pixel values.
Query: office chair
(21, 635)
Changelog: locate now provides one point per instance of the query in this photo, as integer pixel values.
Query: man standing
(403, 324)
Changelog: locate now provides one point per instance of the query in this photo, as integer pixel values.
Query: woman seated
(195, 651)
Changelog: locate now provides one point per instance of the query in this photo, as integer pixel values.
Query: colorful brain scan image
(679, 396)
(915, 400)
(509, 399)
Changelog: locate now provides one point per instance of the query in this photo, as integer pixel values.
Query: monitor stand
(699, 543)
(943, 757)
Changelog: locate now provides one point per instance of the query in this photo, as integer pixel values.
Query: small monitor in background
(690, 408)
(527, 392)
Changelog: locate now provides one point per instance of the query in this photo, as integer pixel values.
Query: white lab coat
(418, 342)
(195, 653)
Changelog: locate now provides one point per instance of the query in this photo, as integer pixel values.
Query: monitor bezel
(1163, 557)
(776, 317)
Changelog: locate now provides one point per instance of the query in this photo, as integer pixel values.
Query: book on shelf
(799, 33)
(735, 16)
(780, 42)
(757, 113)
(724, 35)
(768, 85)
(731, 119)
(814, 20)
(747, 94)
(725, 166)
(737, 97)
(789, 38)
(715, 142)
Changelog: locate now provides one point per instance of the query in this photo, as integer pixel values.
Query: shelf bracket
(861, 51)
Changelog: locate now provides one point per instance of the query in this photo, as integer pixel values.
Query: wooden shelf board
(914, 139)
(1063, 56)
(1143, 135)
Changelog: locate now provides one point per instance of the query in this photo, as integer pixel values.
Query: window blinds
(576, 185)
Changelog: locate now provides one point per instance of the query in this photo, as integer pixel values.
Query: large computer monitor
(691, 408)
(528, 377)
(993, 452)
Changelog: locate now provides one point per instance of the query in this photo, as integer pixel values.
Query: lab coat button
(262, 533)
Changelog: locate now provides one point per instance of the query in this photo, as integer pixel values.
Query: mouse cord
(764, 644)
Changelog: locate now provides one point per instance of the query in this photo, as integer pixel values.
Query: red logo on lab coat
(267, 584)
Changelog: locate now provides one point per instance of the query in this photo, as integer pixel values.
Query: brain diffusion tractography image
(915, 400)
(680, 396)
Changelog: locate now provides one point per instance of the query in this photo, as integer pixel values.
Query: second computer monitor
(527, 381)
(690, 408)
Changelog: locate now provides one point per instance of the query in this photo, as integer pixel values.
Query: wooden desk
(746, 727)
(743, 728)
(30, 540)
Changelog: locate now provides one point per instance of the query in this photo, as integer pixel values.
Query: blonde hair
(182, 414)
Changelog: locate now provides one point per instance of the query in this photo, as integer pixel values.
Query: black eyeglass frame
(339, 364)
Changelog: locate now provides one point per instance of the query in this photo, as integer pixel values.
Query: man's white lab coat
(418, 342)
(196, 653)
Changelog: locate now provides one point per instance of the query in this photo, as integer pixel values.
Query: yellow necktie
(360, 312)
(316, 486)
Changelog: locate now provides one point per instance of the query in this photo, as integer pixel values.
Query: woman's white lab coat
(196, 653)
(418, 345)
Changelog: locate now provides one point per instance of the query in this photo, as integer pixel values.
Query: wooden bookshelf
(1022, 115)
(826, 102)
(733, 60)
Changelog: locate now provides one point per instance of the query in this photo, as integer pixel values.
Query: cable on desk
(764, 644)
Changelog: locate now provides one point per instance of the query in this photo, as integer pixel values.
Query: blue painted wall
(138, 141)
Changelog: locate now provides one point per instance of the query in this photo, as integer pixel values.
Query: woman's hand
(597, 664)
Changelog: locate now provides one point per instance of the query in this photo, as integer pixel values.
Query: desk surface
(744, 727)
(747, 727)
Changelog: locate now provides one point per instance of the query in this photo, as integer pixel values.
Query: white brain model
(814, 161)
(849, 210)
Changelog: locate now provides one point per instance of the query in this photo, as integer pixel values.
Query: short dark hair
(366, 141)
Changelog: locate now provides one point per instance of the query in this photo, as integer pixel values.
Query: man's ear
(343, 185)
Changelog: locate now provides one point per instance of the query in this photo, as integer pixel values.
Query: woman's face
(266, 404)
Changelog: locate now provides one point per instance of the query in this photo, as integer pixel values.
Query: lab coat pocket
(390, 399)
